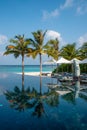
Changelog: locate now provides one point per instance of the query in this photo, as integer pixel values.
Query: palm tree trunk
(40, 64)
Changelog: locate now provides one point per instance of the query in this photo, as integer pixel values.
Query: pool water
(35, 106)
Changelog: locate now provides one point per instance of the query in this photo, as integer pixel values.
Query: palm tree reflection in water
(22, 99)
(39, 107)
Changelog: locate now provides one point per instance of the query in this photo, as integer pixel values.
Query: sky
(64, 19)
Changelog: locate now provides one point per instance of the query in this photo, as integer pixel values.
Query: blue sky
(65, 19)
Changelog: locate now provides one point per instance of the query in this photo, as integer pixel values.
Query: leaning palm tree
(20, 46)
(41, 48)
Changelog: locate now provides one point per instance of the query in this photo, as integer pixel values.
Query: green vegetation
(69, 52)
(68, 68)
(41, 48)
(83, 51)
(37, 46)
(19, 46)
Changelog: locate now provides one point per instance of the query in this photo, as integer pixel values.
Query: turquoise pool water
(35, 106)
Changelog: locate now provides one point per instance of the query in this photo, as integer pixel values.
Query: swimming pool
(35, 106)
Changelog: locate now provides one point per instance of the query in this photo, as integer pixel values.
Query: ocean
(28, 68)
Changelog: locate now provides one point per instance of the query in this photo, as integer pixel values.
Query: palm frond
(69, 51)
(16, 55)
(38, 37)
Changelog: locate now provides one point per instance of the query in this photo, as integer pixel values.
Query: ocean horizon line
(27, 68)
(29, 65)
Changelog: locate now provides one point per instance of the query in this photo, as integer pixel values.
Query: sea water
(27, 68)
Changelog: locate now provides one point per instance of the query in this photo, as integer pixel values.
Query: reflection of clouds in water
(2, 76)
(1, 90)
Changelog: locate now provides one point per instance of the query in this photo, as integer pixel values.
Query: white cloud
(53, 35)
(81, 40)
(80, 7)
(56, 12)
(3, 39)
(81, 10)
(67, 4)
(47, 15)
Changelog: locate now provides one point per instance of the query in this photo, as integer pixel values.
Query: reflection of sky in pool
(36, 107)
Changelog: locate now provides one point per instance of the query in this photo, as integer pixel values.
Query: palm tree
(41, 48)
(20, 46)
(83, 51)
(83, 55)
(69, 52)
(54, 46)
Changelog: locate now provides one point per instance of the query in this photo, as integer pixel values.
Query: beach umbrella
(63, 61)
(50, 62)
(83, 61)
